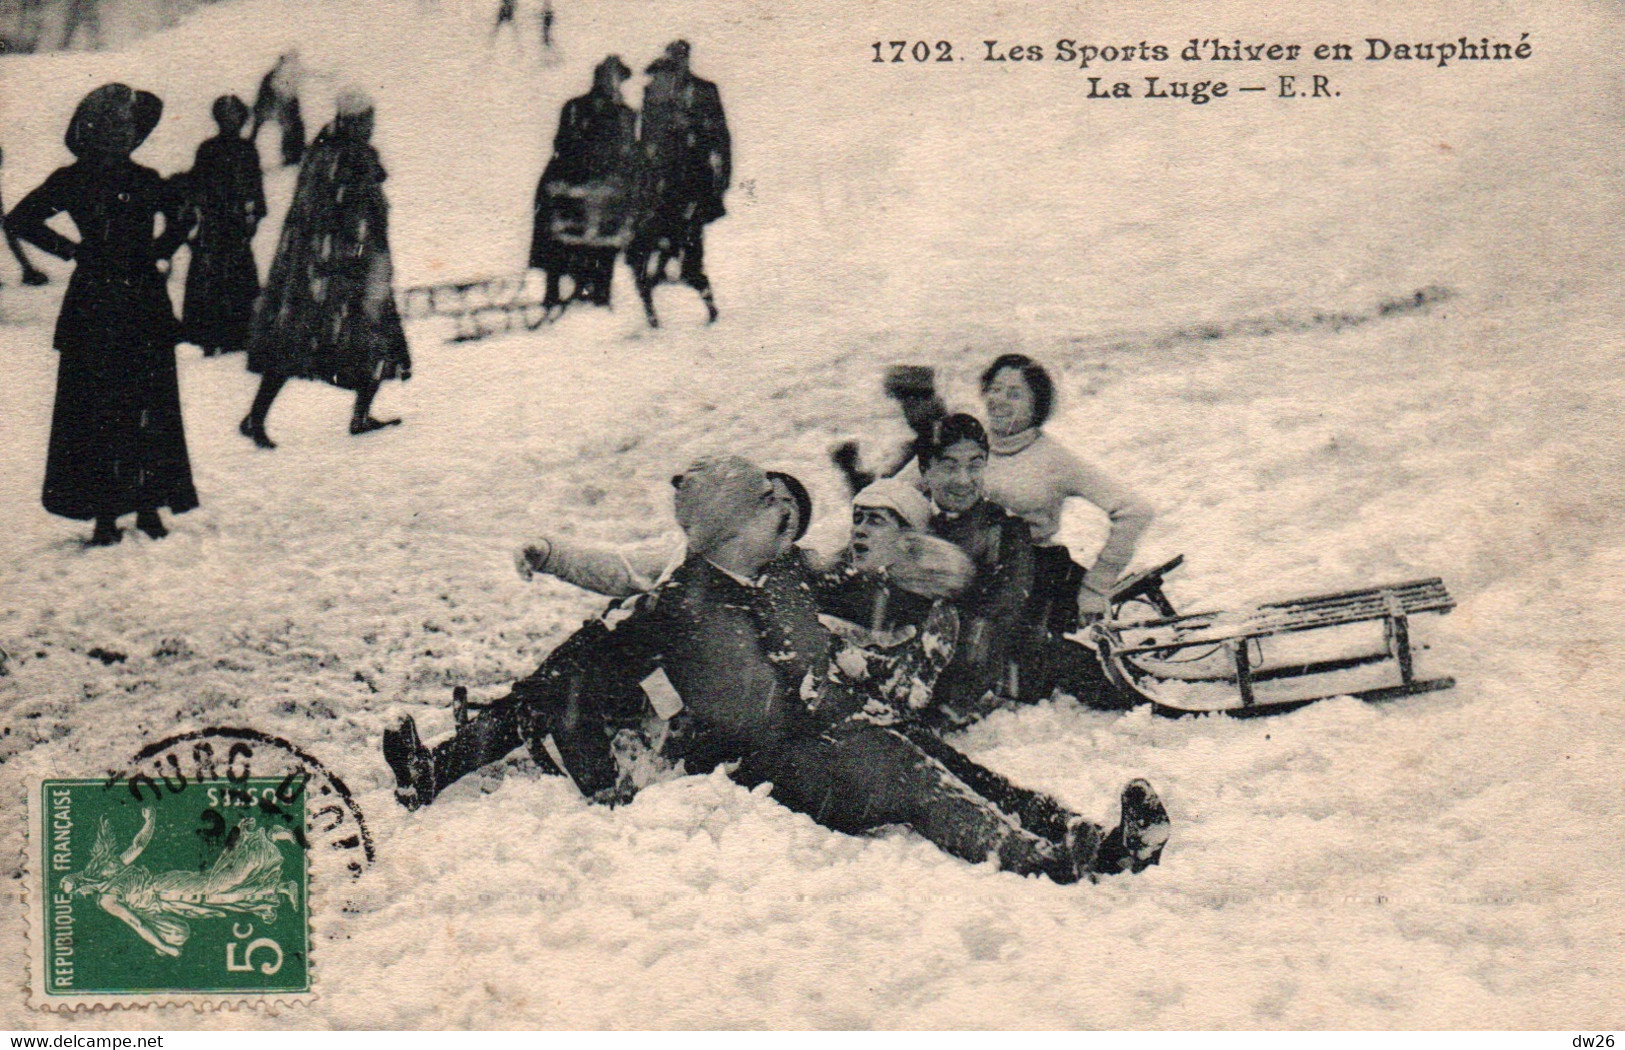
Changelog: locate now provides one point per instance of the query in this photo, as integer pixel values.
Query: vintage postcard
(624, 514)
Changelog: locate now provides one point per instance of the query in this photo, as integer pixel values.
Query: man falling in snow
(731, 668)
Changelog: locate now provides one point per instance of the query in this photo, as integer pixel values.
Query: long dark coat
(994, 627)
(117, 442)
(678, 187)
(226, 197)
(594, 144)
(333, 256)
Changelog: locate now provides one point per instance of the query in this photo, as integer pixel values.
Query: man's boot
(1082, 844)
(1142, 831)
(411, 762)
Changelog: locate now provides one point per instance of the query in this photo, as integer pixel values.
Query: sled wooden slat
(458, 298)
(1300, 614)
(1145, 658)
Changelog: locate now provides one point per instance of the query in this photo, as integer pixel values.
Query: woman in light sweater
(1032, 475)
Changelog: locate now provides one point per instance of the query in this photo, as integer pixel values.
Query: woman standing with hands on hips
(117, 441)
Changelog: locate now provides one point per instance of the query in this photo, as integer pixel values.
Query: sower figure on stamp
(685, 165)
(328, 311)
(226, 197)
(117, 441)
(32, 275)
(582, 200)
(245, 879)
(278, 100)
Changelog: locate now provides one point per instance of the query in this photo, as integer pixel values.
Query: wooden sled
(590, 215)
(1270, 658)
(460, 298)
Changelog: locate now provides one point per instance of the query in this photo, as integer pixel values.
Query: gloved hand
(932, 567)
(1092, 606)
(380, 277)
(532, 559)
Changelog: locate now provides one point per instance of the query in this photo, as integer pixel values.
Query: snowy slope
(1449, 860)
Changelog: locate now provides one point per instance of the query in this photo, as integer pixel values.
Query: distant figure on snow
(81, 13)
(328, 311)
(278, 100)
(581, 200)
(505, 13)
(226, 201)
(32, 275)
(685, 165)
(547, 25)
(117, 442)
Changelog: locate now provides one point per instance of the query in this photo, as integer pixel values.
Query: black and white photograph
(649, 514)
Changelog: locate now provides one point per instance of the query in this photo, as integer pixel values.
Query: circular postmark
(232, 766)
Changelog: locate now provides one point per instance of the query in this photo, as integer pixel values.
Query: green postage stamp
(141, 895)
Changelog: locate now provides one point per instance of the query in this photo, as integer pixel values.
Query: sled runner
(1270, 658)
(460, 298)
(481, 307)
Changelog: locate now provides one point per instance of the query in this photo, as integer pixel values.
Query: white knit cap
(899, 497)
(715, 496)
(352, 101)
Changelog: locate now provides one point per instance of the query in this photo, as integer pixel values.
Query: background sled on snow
(1270, 658)
(590, 215)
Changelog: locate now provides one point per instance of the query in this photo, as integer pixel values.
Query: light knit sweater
(1032, 475)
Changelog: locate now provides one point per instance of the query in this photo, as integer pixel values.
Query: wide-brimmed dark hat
(612, 66)
(112, 121)
(663, 65)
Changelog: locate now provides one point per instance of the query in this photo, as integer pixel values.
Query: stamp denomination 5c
(199, 895)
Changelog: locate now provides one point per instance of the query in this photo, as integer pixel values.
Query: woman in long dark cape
(226, 198)
(328, 311)
(117, 441)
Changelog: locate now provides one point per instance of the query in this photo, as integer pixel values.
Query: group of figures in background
(508, 18)
(43, 25)
(327, 312)
(833, 677)
(644, 183)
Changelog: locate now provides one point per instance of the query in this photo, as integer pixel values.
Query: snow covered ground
(1207, 282)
